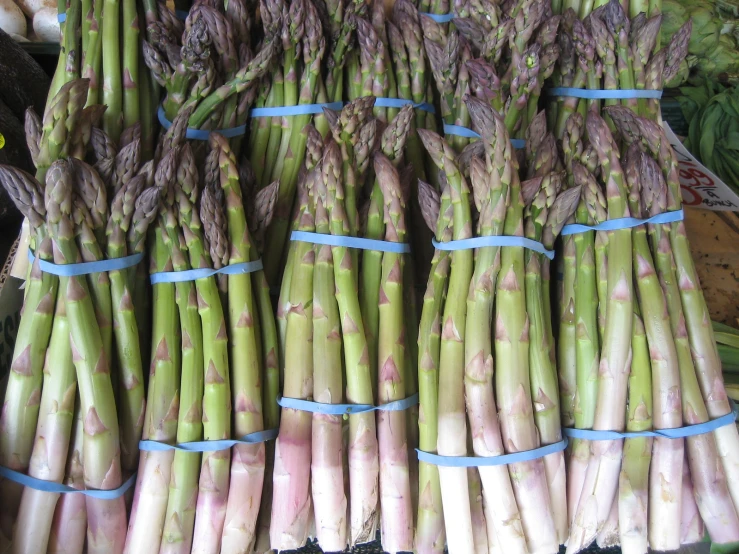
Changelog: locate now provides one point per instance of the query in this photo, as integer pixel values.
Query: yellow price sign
(2, 140)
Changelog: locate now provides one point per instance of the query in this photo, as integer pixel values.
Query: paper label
(700, 187)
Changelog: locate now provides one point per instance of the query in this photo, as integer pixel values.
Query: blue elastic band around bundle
(202, 273)
(480, 242)
(439, 17)
(400, 102)
(61, 17)
(86, 268)
(677, 433)
(181, 14)
(484, 461)
(300, 109)
(618, 94)
(210, 446)
(624, 223)
(200, 134)
(345, 409)
(51, 486)
(352, 242)
(466, 132)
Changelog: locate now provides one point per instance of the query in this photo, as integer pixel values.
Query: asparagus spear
(107, 518)
(247, 360)
(392, 144)
(69, 526)
(452, 439)
(547, 215)
(395, 489)
(713, 502)
(430, 528)
(363, 448)
(291, 499)
(21, 404)
(48, 460)
(605, 460)
(667, 454)
(214, 474)
(491, 180)
(150, 499)
(327, 469)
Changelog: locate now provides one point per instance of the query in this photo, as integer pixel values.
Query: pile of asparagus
(346, 317)
(76, 382)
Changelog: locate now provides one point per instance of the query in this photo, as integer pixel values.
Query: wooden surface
(714, 240)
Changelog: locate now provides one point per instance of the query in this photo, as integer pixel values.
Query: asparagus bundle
(318, 324)
(523, 519)
(211, 504)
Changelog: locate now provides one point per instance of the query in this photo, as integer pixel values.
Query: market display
(406, 272)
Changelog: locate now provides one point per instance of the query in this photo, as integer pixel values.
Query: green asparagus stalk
(287, 167)
(395, 489)
(48, 460)
(605, 456)
(291, 480)
(23, 393)
(69, 526)
(127, 204)
(327, 468)
(363, 447)
(392, 144)
(247, 361)
(430, 528)
(491, 180)
(101, 452)
(150, 500)
(179, 519)
(452, 440)
(667, 455)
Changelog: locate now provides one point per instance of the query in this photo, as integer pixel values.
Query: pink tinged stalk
(691, 524)
(327, 458)
(291, 503)
(665, 493)
(609, 534)
(149, 508)
(578, 467)
(245, 494)
(69, 526)
(479, 521)
(601, 480)
(501, 510)
(395, 488)
(48, 459)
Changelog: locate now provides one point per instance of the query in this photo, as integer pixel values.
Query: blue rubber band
(199, 134)
(345, 409)
(61, 17)
(677, 433)
(484, 461)
(209, 446)
(623, 223)
(459, 131)
(439, 17)
(202, 273)
(480, 242)
(181, 14)
(300, 109)
(400, 102)
(352, 242)
(619, 94)
(87, 268)
(51, 486)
